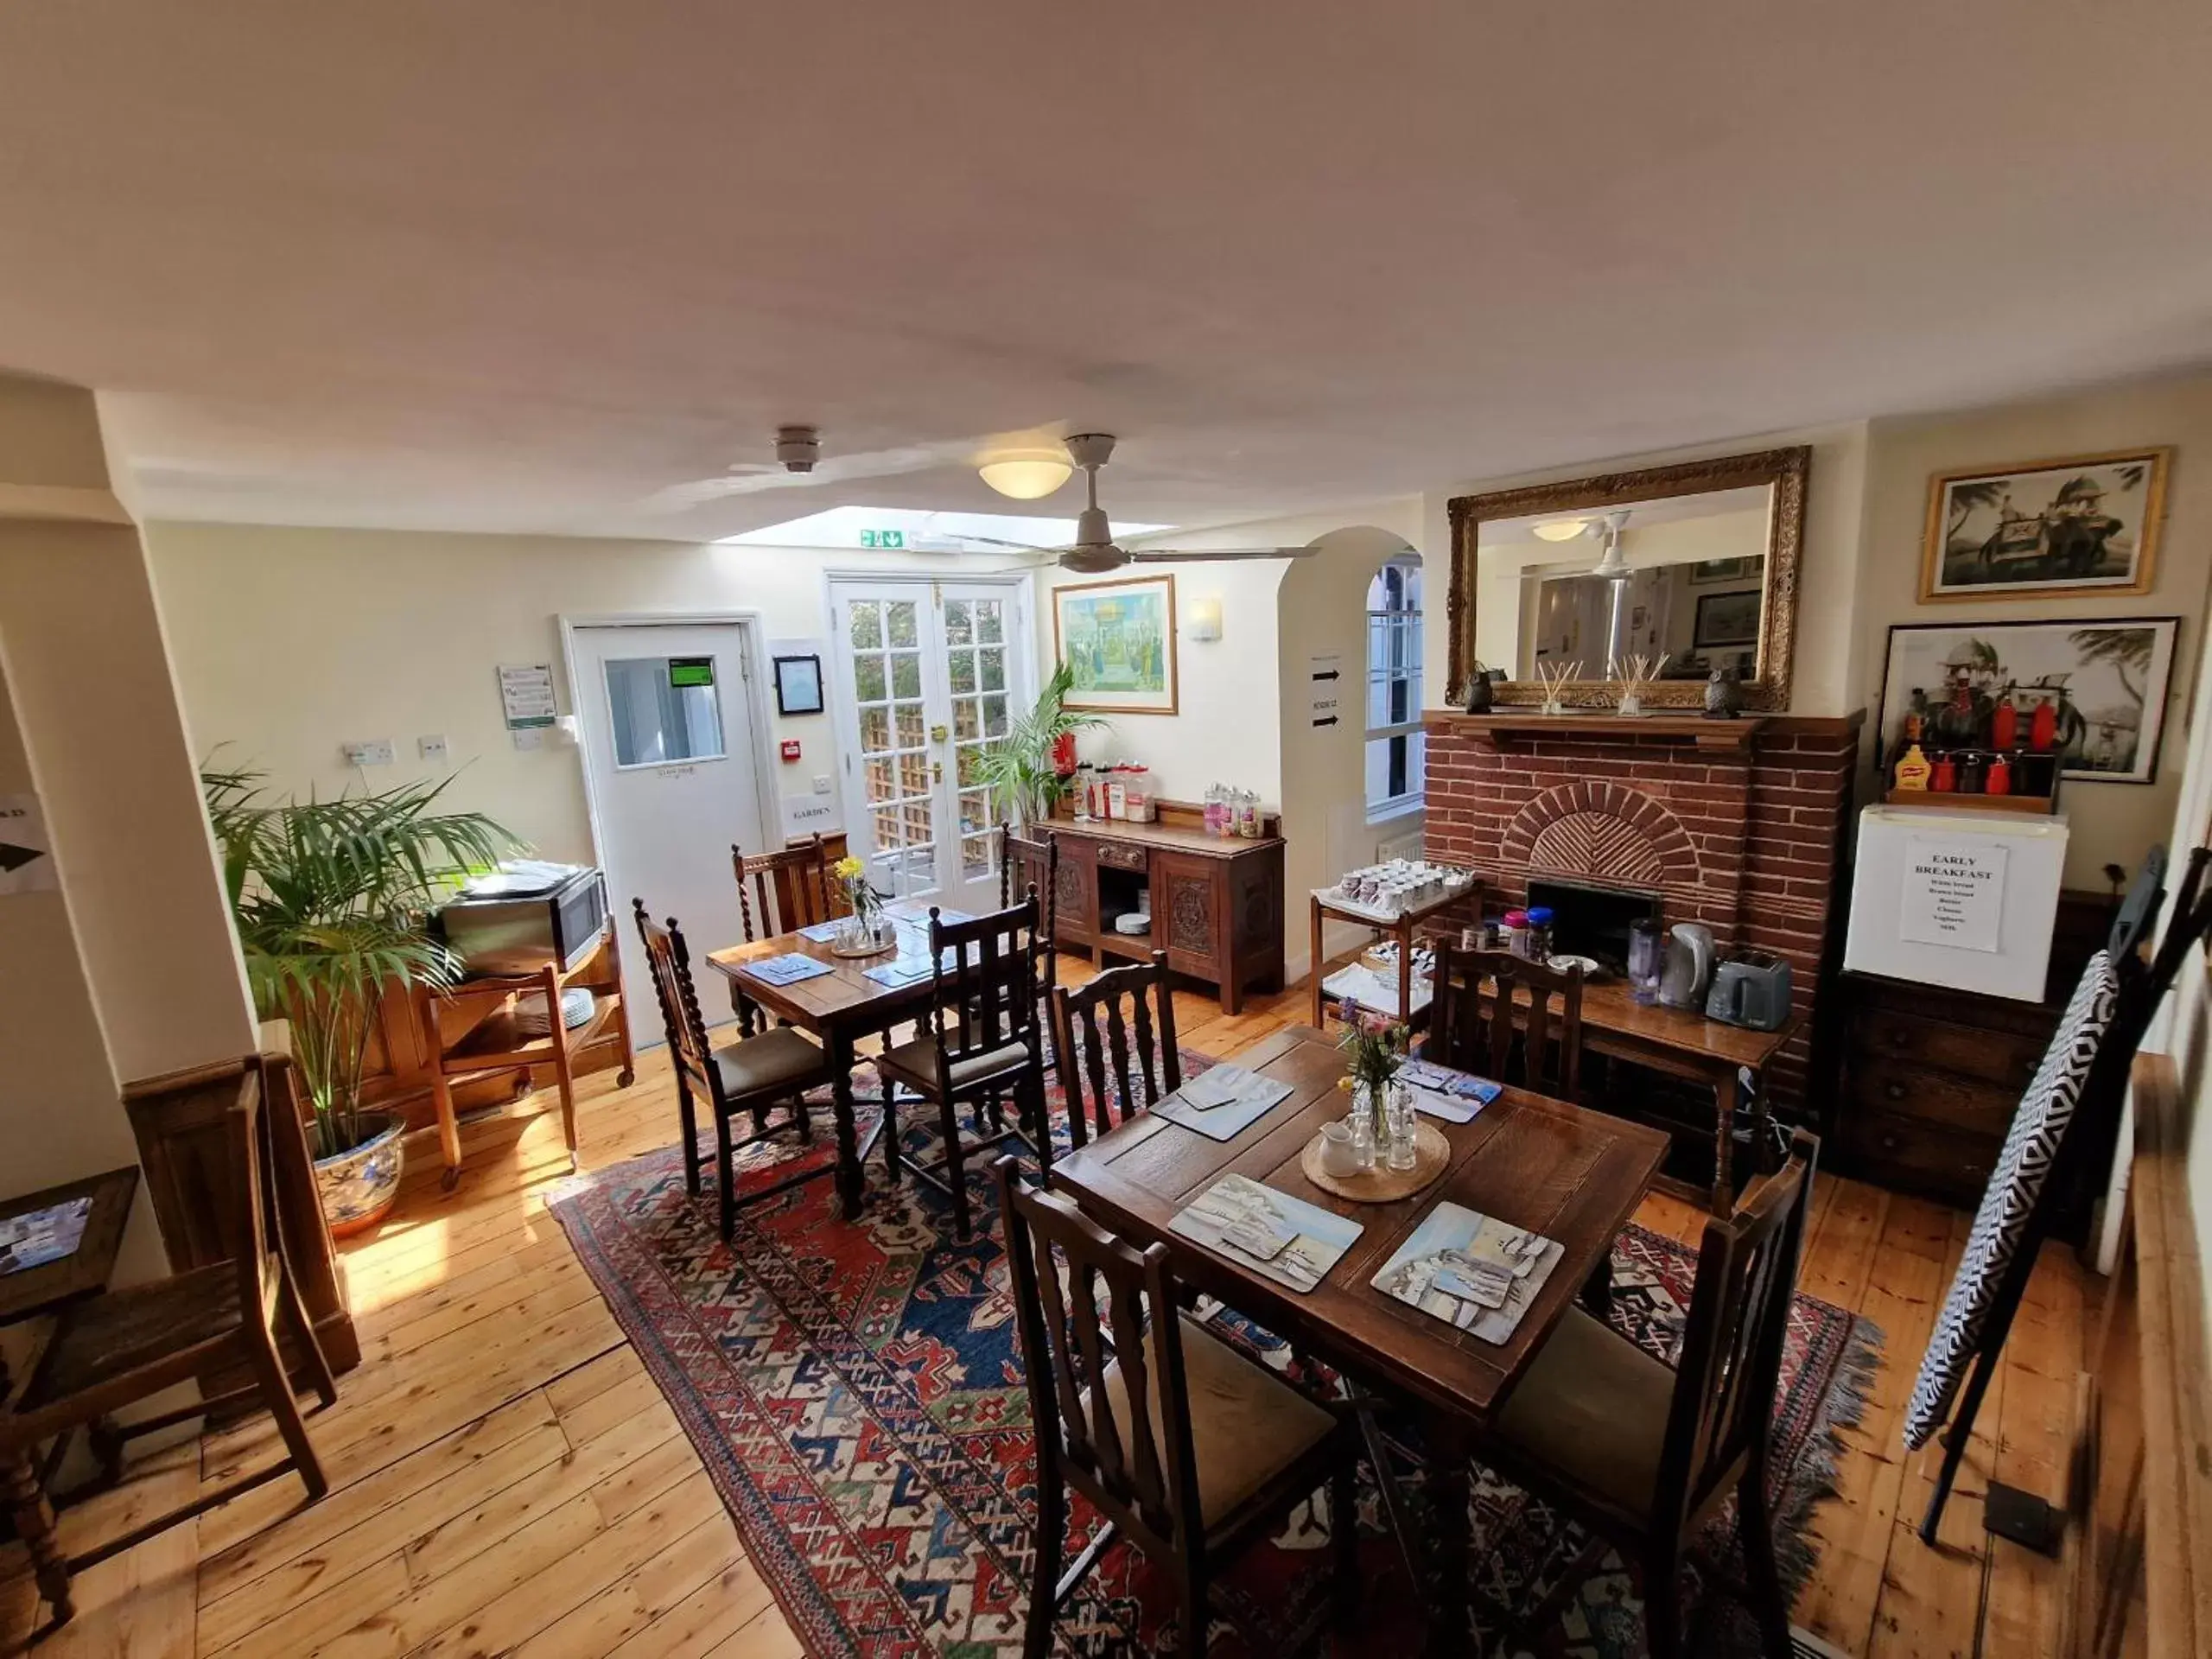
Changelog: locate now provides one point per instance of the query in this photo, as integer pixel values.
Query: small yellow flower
(848, 868)
(1344, 1083)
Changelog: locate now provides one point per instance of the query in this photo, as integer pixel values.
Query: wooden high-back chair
(123, 1346)
(1078, 1051)
(1478, 1004)
(1644, 1455)
(1188, 1448)
(792, 887)
(752, 1075)
(981, 1043)
(1046, 887)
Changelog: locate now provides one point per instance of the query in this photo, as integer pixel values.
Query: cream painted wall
(2110, 823)
(289, 642)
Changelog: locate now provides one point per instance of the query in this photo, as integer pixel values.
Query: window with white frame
(1394, 733)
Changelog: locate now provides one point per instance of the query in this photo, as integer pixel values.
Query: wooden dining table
(840, 1008)
(1569, 1173)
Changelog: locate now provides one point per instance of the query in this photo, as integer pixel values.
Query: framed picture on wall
(2105, 679)
(1119, 639)
(1726, 618)
(798, 685)
(2048, 529)
(1705, 572)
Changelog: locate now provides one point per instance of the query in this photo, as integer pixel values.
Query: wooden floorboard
(507, 1479)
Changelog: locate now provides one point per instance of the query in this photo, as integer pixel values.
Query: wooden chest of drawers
(1932, 1076)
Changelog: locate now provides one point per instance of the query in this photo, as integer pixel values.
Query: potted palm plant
(1021, 768)
(330, 899)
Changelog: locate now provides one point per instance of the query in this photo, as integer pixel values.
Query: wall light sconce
(1201, 618)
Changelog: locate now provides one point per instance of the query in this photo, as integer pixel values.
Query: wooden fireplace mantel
(1694, 730)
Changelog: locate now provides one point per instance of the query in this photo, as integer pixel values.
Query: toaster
(1752, 989)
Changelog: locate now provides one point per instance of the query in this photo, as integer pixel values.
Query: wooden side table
(1399, 927)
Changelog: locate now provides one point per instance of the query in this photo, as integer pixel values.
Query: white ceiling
(521, 264)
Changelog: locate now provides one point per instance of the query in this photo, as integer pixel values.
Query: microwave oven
(524, 915)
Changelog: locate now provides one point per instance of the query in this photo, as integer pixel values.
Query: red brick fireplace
(1737, 824)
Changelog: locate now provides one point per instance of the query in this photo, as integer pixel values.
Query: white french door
(929, 673)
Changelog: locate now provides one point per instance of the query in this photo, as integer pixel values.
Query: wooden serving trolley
(505, 1039)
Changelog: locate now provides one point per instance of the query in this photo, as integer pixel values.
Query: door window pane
(868, 678)
(990, 625)
(899, 613)
(664, 709)
(868, 623)
(906, 674)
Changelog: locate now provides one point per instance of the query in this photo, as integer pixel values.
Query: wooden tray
(1432, 1153)
(892, 943)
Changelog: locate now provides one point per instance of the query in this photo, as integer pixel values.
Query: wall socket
(368, 751)
(432, 749)
(821, 783)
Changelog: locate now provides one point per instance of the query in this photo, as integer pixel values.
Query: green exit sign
(883, 539)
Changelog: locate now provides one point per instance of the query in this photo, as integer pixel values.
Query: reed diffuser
(1555, 677)
(1635, 673)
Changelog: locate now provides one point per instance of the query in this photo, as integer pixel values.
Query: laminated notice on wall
(26, 854)
(1953, 893)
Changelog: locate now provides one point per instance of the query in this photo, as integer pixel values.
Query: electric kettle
(1688, 972)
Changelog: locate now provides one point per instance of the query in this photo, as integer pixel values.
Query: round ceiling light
(1027, 475)
(1562, 529)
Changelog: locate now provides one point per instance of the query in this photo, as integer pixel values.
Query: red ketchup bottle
(2004, 725)
(1945, 777)
(2043, 728)
(2000, 780)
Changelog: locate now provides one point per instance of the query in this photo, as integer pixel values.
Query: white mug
(1337, 1155)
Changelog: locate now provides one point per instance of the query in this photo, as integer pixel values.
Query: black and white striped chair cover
(2037, 1129)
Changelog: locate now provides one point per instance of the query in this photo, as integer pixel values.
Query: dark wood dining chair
(212, 1324)
(1080, 1054)
(1043, 856)
(1197, 1453)
(1645, 1456)
(754, 1075)
(981, 1044)
(1472, 1019)
(792, 887)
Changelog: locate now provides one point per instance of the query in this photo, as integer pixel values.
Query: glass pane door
(935, 673)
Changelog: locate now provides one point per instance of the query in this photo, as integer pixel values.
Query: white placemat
(1222, 1107)
(1471, 1271)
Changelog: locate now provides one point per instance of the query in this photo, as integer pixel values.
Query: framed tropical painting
(1119, 639)
(2051, 528)
(2106, 680)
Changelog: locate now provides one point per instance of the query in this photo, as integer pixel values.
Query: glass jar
(1540, 934)
(1363, 1129)
(1516, 931)
(1647, 953)
(1403, 1150)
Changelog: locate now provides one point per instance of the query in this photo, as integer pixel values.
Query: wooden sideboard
(1216, 900)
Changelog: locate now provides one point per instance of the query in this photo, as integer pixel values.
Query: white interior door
(668, 725)
(929, 673)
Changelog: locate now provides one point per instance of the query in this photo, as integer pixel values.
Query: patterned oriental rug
(856, 1394)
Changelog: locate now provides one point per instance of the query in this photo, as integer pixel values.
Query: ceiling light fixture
(1026, 475)
(1562, 530)
(1613, 566)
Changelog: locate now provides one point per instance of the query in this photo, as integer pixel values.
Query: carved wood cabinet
(1216, 902)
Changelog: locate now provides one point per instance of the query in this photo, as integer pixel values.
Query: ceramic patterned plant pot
(358, 1188)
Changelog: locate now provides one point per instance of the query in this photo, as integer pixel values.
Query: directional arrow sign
(25, 866)
(14, 858)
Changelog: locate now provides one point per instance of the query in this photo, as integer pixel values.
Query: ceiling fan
(1094, 551)
(1612, 565)
(798, 463)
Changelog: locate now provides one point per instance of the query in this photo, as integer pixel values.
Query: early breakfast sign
(1953, 893)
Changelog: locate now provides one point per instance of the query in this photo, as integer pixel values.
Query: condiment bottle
(1945, 777)
(1913, 770)
(2043, 728)
(2004, 725)
(1999, 778)
(1540, 934)
(1516, 931)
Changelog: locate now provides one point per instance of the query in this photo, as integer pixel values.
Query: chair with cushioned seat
(1644, 1456)
(754, 1075)
(982, 1044)
(1199, 1453)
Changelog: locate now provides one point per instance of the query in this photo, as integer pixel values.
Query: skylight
(914, 531)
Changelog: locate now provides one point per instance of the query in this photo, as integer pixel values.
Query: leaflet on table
(1443, 1091)
(43, 1235)
(1471, 1270)
(1285, 1239)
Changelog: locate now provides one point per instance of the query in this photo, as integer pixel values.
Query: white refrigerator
(1965, 900)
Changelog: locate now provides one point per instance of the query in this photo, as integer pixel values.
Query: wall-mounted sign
(804, 814)
(1953, 893)
(1324, 677)
(883, 539)
(26, 854)
(527, 701)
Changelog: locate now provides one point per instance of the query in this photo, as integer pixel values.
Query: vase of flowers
(1374, 1048)
(867, 930)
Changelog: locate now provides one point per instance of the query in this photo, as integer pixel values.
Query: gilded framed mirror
(1679, 570)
